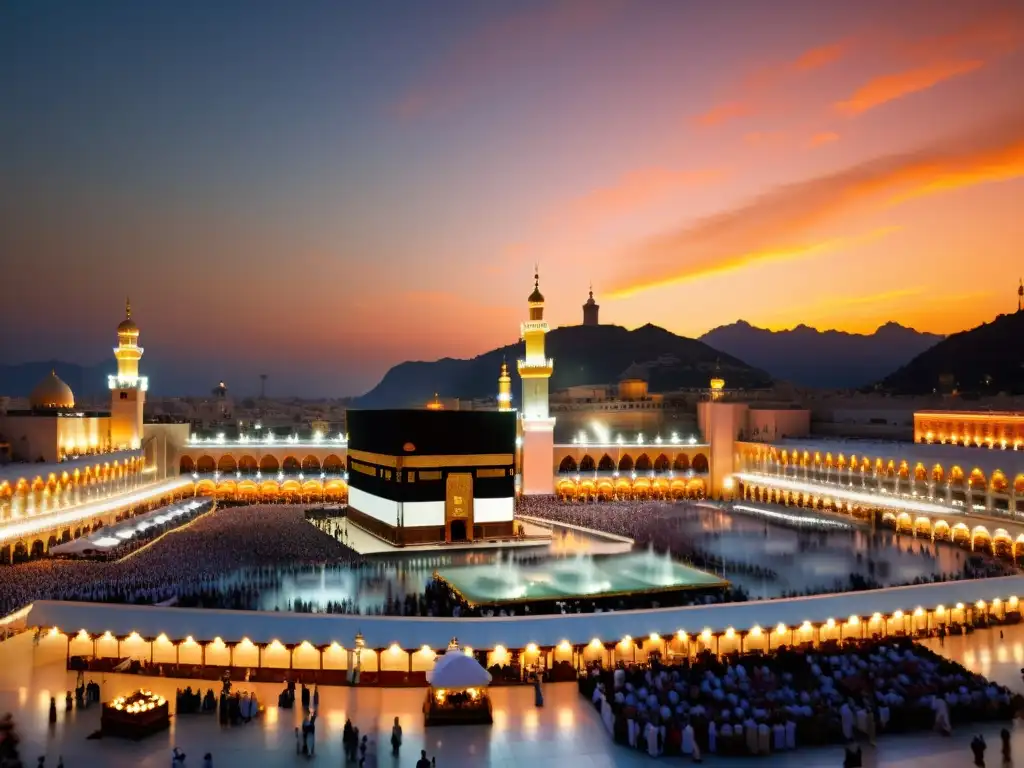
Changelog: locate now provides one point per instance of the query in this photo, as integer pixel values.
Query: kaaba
(431, 477)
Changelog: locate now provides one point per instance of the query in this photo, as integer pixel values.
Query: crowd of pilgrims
(757, 705)
(259, 541)
(234, 556)
(656, 523)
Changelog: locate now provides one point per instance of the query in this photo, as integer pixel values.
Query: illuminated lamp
(531, 648)
(654, 637)
(730, 632)
(897, 615)
(780, 629)
(705, 635)
(564, 646)
(755, 631)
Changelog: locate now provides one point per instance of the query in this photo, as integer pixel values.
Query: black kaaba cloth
(438, 433)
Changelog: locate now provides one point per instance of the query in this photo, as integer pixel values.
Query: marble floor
(565, 733)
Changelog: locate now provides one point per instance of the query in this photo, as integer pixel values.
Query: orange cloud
(738, 261)
(779, 225)
(723, 113)
(886, 88)
(764, 80)
(822, 56)
(634, 191)
(825, 137)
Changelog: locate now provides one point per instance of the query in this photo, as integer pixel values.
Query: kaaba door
(458, 507)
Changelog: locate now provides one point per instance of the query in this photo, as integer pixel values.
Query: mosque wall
(33, 438)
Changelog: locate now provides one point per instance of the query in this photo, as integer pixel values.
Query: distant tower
(590, 309)
(263, 386)
(1020, 295)
(538, 427)
(127, 388)
(435, 404)
(504, 389)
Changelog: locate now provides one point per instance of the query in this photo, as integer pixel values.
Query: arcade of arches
(988, 538)
(600, 476)
(39, 543)
(249, 466)
(994, 493)
(41, 494)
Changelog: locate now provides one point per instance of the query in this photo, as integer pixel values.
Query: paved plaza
(565, 733)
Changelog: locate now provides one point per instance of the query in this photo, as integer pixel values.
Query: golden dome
(52, 393)
(717, 383)
(536, 297)
(128, 325)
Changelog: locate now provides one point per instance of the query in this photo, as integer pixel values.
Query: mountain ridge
(810, 357)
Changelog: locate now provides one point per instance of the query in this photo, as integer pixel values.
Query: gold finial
(128, 307)
(591, 289)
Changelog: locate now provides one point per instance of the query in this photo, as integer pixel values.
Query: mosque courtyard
(565, 732)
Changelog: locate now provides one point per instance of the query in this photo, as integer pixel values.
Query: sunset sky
(320, 190)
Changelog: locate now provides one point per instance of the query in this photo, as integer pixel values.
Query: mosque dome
(128, 326)
(536, 297)
(52, 393)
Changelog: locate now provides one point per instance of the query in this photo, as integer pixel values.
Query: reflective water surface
(790, 560)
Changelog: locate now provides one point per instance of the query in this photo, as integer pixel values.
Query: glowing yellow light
(161, 638)
(425, 650)
(53, 632)
(755, 631)
(189, 640)
(959, 606)
(897, 615)
(394, 649)
(681, 635)
(468, 651)
(595, 643)
(805, 626)
(531, 648)
(564, 646)
(653, 637)
(940, 608)
(134, 636)
(626, 641)
(705, 635)
(919, 611)
(980, 604)
(780, 629)
(730, 632)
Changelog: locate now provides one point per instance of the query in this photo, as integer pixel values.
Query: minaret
(127, 388)
(590, 309)
(504, 389)
(717, 383)
(1020, 295)
(538, 427)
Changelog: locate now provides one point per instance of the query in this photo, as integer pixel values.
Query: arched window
(700, 464)
(568, 464)
(587, 464)
(606, 464)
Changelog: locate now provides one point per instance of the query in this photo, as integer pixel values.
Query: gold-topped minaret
(538, 428)
(504, 389)
(127, 388)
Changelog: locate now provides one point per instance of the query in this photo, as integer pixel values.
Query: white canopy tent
(112, 536)
(457, 670)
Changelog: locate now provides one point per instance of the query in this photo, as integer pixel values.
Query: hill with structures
(583, 355)
(986, 360)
